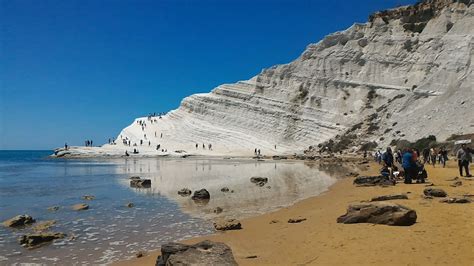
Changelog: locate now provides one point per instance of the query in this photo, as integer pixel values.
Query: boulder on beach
(363, 181)
(434, 192)
(379, 213)
(390, 197)
(19, 220)
(80, 207)
(259, 181)
(185, 192)
(456, 200)
(457, 183)
(201, 194)
(296, 220)
(203, 253)
(34, 240)
(140, 183)
(229, 224)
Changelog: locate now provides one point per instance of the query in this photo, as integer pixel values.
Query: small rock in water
(88, 197)
(379, 213)
(259, 181)
(43, 226)
(53, 208)
(201, 194)
(230, 224)
(185, 192)
(140, 254)
(140, 183)
(434, 192)
(130, 205)
(296, 220)
(202, 253)
(218, 210)
(33, 240)
(456, 200)
(225, 189)
(135, 178)
(19, 220)
(80, 207)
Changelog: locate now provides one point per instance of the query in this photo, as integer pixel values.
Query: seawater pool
(109, 231)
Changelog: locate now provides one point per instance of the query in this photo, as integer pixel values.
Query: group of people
(209, 146)
(88, 143)
(413, 167)
(433, 156)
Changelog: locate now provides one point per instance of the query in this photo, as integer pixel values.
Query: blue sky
(75, 70)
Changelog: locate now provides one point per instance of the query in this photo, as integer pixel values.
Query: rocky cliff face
(406, 73)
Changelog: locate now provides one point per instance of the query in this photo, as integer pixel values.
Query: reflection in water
(110, 231)
(288, 182)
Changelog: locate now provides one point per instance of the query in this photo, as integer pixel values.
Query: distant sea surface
(30, 182)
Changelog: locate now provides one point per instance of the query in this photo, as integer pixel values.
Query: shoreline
(442, 235)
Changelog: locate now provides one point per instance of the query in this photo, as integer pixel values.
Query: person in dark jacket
(387, 157)
(464, 158)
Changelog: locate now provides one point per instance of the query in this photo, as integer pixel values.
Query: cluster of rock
(137, 182)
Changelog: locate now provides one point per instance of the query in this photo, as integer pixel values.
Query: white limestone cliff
(404, 74)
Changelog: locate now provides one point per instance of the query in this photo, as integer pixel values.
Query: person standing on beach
(387, 157)
(464, 158)
(433, 156)
(65, 146)
(409, 166)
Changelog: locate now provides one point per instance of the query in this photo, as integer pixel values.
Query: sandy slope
(443, 233)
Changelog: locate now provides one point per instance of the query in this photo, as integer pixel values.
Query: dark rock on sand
(19, 220)
(88, 197)
(259, 181)
(230, 224)
(201, 194)
(456, 183)
(218, 210)
(140, 183)
(185, 192)
(296, 220)
(202, 253)
(456, 200)
(364, 181)
(33, 240)
(434, 192)
(80, 207)
(379, 213)
(225, 189)
(389, 197)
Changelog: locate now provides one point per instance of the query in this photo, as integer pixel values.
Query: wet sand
(443, 234)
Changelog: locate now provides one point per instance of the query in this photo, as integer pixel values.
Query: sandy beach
(442, 234)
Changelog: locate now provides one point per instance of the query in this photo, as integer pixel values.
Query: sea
(31, 182)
